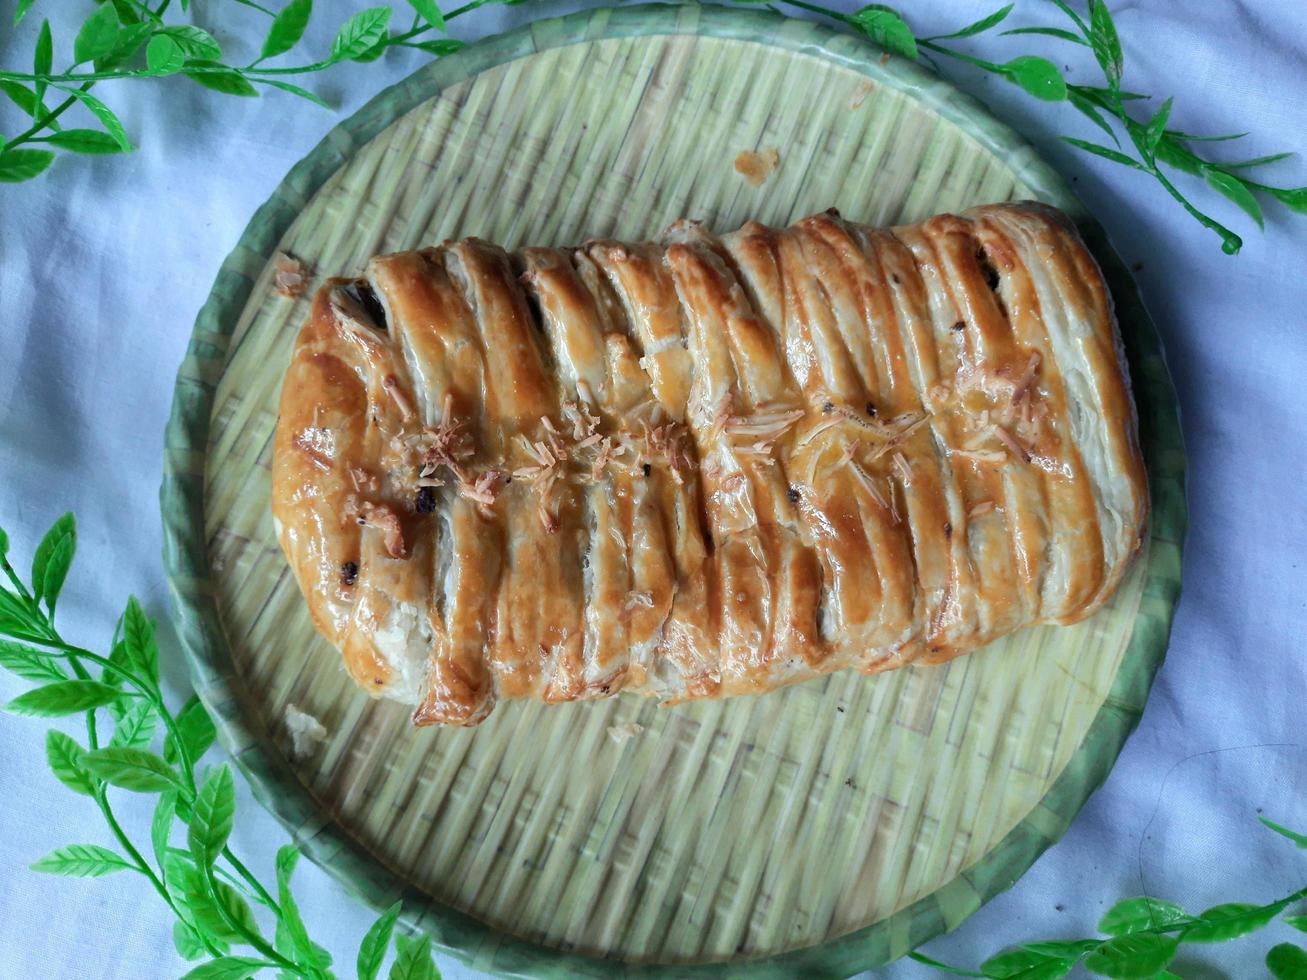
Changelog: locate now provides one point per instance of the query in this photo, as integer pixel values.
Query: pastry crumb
(860, 96)
(290, 276)
(306, 732)
(756, 167)
(620, 733)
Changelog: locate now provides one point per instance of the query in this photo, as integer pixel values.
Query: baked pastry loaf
(705, 466)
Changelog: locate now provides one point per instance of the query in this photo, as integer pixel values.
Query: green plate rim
(203, 642)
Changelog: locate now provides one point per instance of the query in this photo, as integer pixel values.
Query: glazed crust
(705, 466)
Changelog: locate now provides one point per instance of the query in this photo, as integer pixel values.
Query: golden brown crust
(706, 466)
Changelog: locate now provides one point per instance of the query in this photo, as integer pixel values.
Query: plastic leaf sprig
(1141, 936)
(135, 743)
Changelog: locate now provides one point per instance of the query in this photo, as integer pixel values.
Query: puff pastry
(705, 466)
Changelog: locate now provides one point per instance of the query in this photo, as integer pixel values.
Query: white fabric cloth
(104, 262)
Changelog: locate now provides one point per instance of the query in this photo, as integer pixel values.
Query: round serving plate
(823, 829)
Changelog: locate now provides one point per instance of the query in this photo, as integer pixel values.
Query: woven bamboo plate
(820, 830)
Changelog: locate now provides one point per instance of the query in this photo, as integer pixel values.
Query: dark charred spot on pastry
(508, 479)
(828, 408)
(349, 573)
(987, 269)
(894, 278)
(871, 409)
(959, 326)
(648, 468)
(425, 502)
(362, 293)
(948, 529)
(793, 494)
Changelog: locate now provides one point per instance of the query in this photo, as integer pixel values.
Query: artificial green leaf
(296, 90)
(1293, 835)
(135, 728)
(1090, 112)
(21, 9)
(220, 78)
(293, 937)
(1075, 17)
(1037, 76)
(195, 42)
(1135, 957)
(429, 12)
(129, 41)
(1233, 188)
(360, 33)
(1136, 914)
(1106, 152)
(97, 35)
(4, 541)
(1157, 125)
(140, 647)
(132, 769)
(442, 46)
(1257, 161)
(188, 942)
(1299, 922)
(165, 811)
(1023, 964)
(188, 883)
(212, 816)
(287, 28)
(29, 664)
(20, 95)
(1191, 138)
(1230, 921)
(413, 960)
(65, 757)
(887, 28)
(1105, 42)
(43, 60)
(103, 113)
(374, 52)
(81, 861)
(1293, 198)
(1069, 948)
(164, 56)
(53, 556)
(1056, 32)
(373, 949)
(979, 27)
(87, 141)
(1174, 154)
(1287, 962)
(226, 968)
(197, 732)
(63, 698)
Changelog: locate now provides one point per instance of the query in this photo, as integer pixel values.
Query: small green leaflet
(1136, 914)
(164, 56)
(287, 28)
(97, 37)
(373, 948)
(1056, 32)
(43, 59)
(197, 732)
(360, 33)
(29, 664)
(195, 42)
(212, 817)
(88, 141)
(165, 811)
(1258, 161)
(887, 28)
(290, 928)
(1106, 152)
(188, 942)
(20, 95)
(1025, 964)
(1287, 962)
(133, 769)
(1087, 108)
(1298, 922)
(429, 12)
(1230, 921)
(1105, 42)
(138, 641)
(53, 557)
(22, 8)
(1037, 76)
(220, 78)
(101, 112)
(1157, 125)
(979, 27)
(135, 728)
(128, 43)
(188, 883)
(1136, 957)
(1293, 198)
(62, 698)
(65, 758)
(296, 90)
(227, 968)
(1233, 188)
(413, 961)
(442, 46)
(81, 861)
